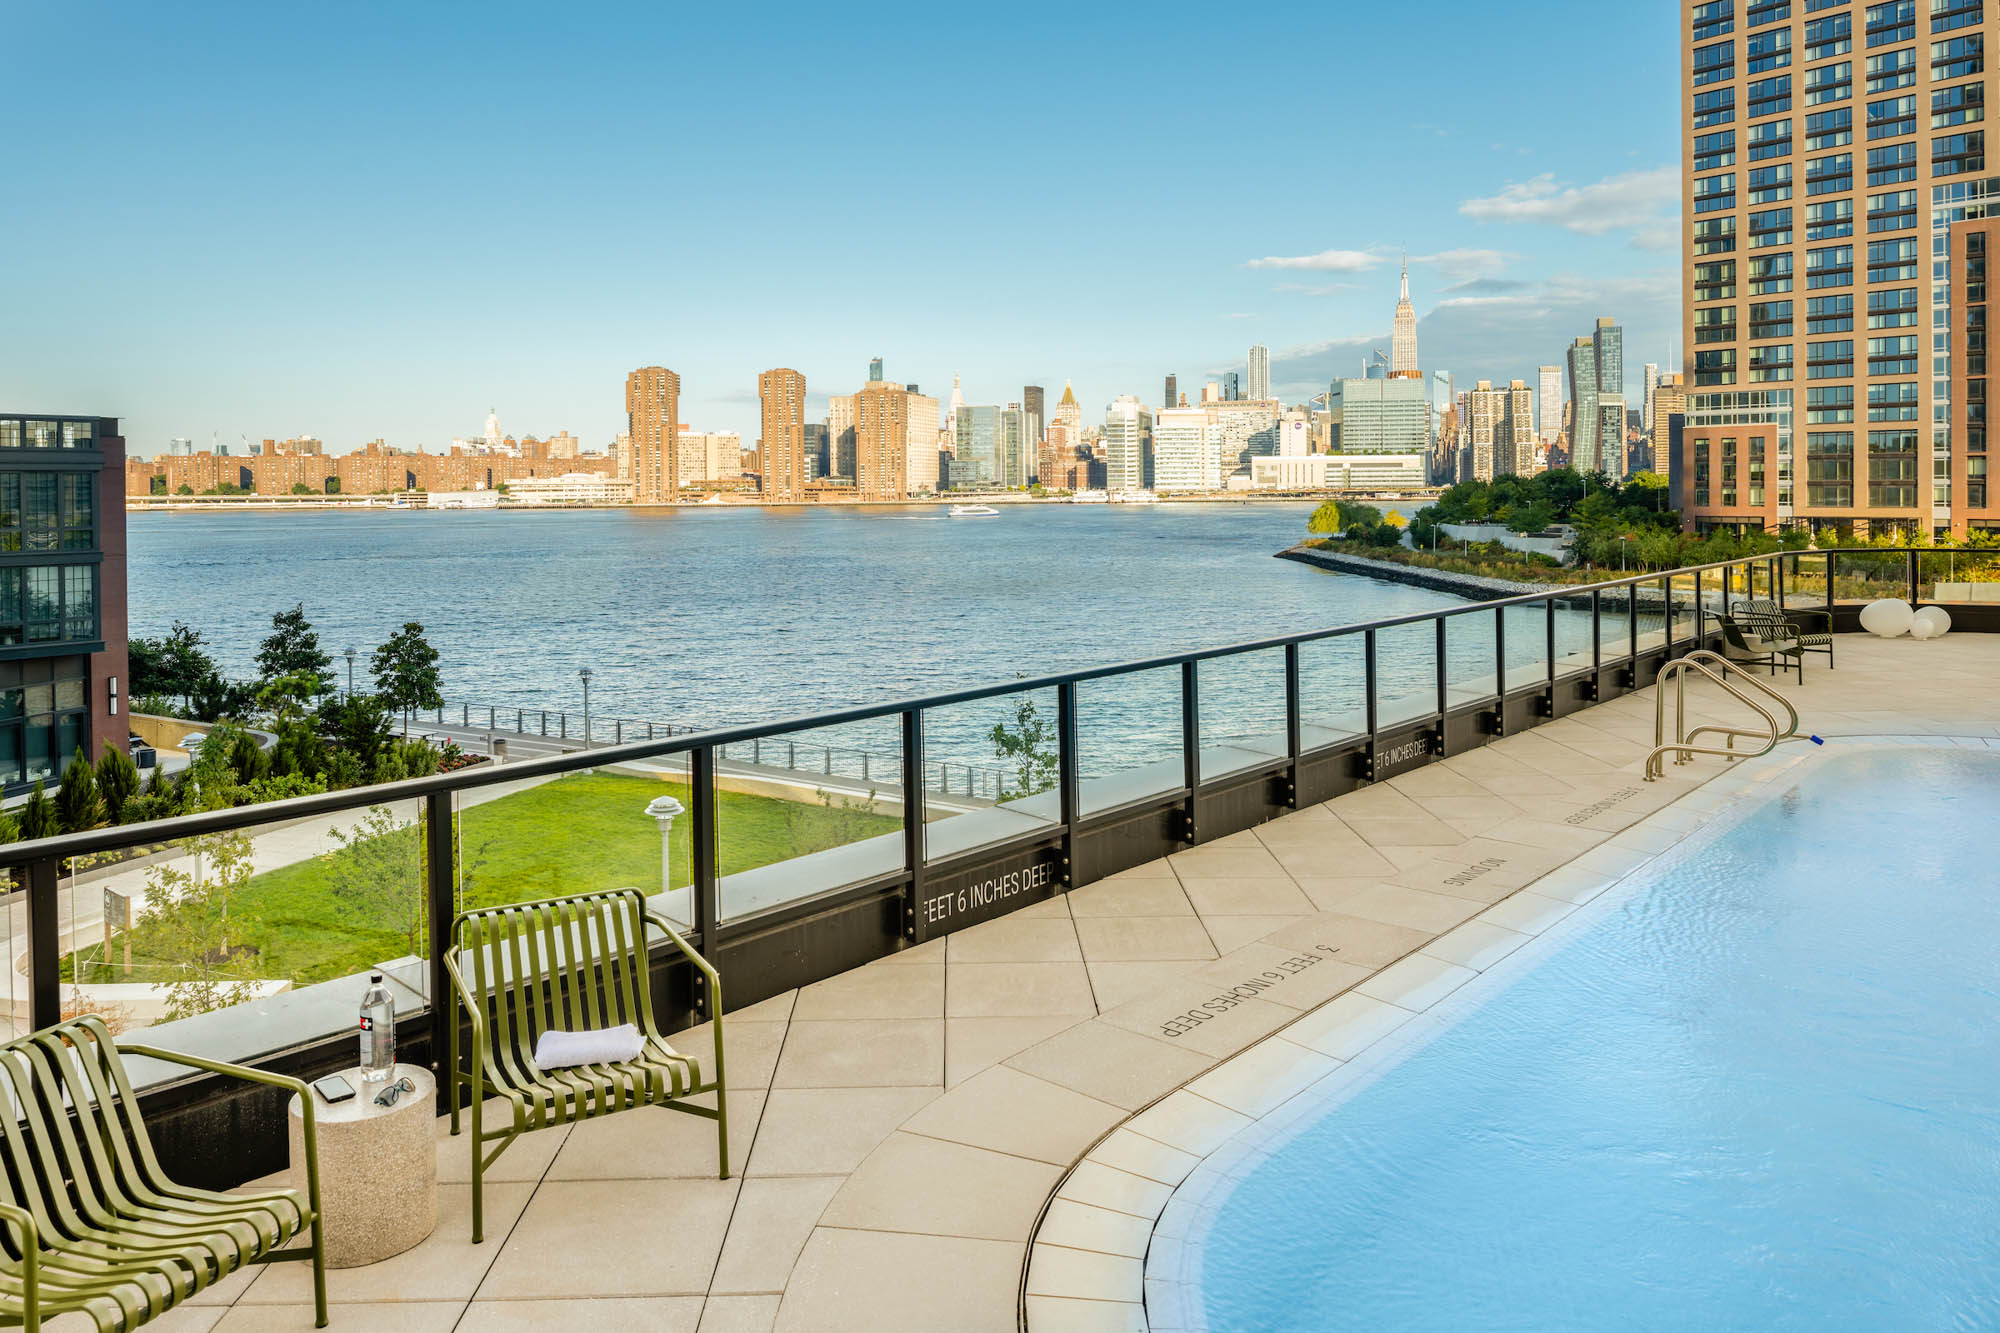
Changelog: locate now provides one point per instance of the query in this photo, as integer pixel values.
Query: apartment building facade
(1835, 181)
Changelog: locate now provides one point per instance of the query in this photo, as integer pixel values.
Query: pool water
(1758, 1090)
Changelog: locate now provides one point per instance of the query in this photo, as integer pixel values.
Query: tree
(186, 916)
(1030, 745)
(173, 664)
(300, 488)
(78, 805)
(377, 873)
(215, 698)
(358, 727)
(117, 781)
(293, 650)
(1325, 519)
(406, 672)
(38, 815)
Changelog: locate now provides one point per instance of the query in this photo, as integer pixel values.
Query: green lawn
(569, 836)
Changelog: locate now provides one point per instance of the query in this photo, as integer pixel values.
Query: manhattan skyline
(385, 228)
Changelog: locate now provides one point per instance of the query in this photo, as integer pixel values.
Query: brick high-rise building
(881, 441)
(783, 396)
(652, 411)
(1834, 172)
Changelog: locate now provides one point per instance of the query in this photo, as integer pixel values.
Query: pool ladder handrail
(1682, 747)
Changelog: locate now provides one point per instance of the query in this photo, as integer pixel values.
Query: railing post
(649, 731)
(1190, 746)
(617, 731)
(440, 883)
(913, 815)
(44, 879)
(545, 722)
(520, 723)
(1368, 712)
(756, 750)
(1549, 618)
(1632, 636)
(1500, 670)
(1294, 724)
(1915, 576)
(1596, 642)
(1443, 685)
(465, 715)
(1068, 784)
(1700, 604)
(864, 766)
(1831, 560)
(701, 861)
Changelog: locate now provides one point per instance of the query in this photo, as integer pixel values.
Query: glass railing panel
(990, 771)
(1405, 673)
(1333, 691)
(1527, 644)
(581, 832)
(1959, 577)
(1803, 575)
(1129, 737)
(16, 1022)
(1575, 643)
(1242, 711)
(1867, 576)
(235, 945)
(1651, 613)
(805, 812)
(1469, 662)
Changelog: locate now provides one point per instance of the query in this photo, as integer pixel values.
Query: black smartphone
(334, 1088)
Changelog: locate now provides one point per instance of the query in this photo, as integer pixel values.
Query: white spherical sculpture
(1930, 623)
(1889, 618)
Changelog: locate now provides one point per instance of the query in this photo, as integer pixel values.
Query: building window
(1825, 38)
(1829, 219)
(1892, 402)
(1893, 356)
(1715, 366)
(1892, 22)
(1892, 118)
(1769, 97)
(1957, 57)
(1716, 324)
(1701, 472)
(1715, 193)
(1769, 319)
(1717, 106)
(1963, 104)
(1827, 129)
(1715, 151)
(1713, 19)
(1829, 83)
(1770, 364)
(1771, 139)
(1832, 404)
(1895, 309)
(1949, 15)
(1894, 211)
(1769, 274)
(47, 604)
(1893, 165)
(1715, 236)
(1830, 469)
(1830, 267)
(1761, 12)
(1893, 261)
(43, 718)
(1830, 360)
(1957, 154)
(1715, 281)
(1714, 64)
(1893, 70)
(1773, 226)
(1892, 469)
(1830, 175)
(1829, 314)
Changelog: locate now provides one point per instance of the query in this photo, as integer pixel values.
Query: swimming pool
(1756, 1089)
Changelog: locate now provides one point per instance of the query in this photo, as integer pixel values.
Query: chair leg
(478, 1174)
(722, 1130)
(319, 1272)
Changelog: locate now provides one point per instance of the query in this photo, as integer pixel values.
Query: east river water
(723, 616)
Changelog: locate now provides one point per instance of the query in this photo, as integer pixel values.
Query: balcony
(910, 1083)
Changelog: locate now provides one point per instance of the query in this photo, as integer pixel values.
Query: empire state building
(1403, 345)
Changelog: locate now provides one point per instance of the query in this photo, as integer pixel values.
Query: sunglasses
(388, 1095)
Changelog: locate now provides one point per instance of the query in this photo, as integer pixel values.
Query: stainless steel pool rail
(1682, 746)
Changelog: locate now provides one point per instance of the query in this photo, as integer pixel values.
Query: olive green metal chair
(572, 964)
(91, 1224)
(1812, 626)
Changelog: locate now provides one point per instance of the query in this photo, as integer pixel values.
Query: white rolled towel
(598, 1046)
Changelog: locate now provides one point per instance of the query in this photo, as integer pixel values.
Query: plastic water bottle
(378, 1030)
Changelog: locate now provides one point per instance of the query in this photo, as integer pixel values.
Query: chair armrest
(294, 1085)
(473, 1010)
(31, 1265)
(1795, 612)
(707, 970)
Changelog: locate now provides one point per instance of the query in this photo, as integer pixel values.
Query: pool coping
(1105, 1254)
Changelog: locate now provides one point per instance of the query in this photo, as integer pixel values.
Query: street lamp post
(664, 809)
(584, 675)
(350, 655)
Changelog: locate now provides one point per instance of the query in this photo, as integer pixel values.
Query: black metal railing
(1498, 666)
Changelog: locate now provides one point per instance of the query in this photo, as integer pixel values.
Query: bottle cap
(375, 976)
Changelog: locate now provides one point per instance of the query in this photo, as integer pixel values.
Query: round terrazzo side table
(377, 1167)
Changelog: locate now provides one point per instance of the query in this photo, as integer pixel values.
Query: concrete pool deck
(902, 1132)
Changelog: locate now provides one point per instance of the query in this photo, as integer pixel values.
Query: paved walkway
(898, 1129)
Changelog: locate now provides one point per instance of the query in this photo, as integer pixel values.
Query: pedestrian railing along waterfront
(268, 918)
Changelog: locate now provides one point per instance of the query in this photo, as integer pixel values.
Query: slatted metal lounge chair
(1813, 626)
(1743, 646)
(573, 964)
(92, 1225)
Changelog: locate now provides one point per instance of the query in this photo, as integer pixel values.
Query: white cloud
(1247, 314)
(1326, 261)
(1464, 265)
(1645, 203)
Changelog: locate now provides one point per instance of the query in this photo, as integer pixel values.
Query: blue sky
(359, 221)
